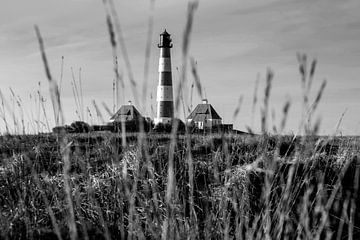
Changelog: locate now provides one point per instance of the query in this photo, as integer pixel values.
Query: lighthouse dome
(165, 33)
(165, 40)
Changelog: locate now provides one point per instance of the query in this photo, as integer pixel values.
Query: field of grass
(242, 187)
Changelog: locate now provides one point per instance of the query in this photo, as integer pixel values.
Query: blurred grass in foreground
(312, 193)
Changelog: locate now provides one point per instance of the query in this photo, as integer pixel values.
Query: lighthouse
(164, 97)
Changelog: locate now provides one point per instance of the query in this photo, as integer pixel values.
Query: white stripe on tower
(164, 93)
(164, 98)
(164, 64)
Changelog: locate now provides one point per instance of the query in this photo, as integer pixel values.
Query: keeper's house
(204, 117)
(130, 117)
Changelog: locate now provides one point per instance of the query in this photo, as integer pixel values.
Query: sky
(234, 42)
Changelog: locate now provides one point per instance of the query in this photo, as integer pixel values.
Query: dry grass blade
(269, 78)
(39, 102)
(15, 120)
(21, 109)
(318, 97)
(191, 97)
(54, 90)
(195, 74)
(61, 73)
(148, 52)
(89, 116)
(273, 119)
(285, 115)
(44, 112)
(152, 109)
(249, 130)
(344, 216)
(265, 110)
(188, 27)
(107, 109)
(115, 22)
(339, 122)
(81, 95)
(311, 74)
(98, 112)
(114, 93)
(111, 31)
(255, 98)
(302, 59)
(55, 97)
(119, 81)
(353, 201)
(185, 49)
(76, 102)
(3, 101)
(65, 150)
(237, 109)
(118, 78)
(75, 94)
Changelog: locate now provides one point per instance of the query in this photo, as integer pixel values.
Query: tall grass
(225, 187)
(173, 186)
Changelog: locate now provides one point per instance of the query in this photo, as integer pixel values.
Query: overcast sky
(233, 42)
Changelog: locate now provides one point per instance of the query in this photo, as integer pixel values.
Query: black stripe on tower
(165, 79)
(166, 109)
(165, 53)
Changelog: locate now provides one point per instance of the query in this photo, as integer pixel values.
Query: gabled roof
(203, 111)
(126, 113)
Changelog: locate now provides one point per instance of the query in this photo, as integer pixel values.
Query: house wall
(214, 122)
(209, 123)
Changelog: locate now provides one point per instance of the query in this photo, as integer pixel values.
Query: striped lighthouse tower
(164, 98)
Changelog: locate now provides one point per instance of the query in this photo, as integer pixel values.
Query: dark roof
(205, 110)
(126, 113)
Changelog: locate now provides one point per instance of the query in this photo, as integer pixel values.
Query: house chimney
(129, 103)
(205, 101)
